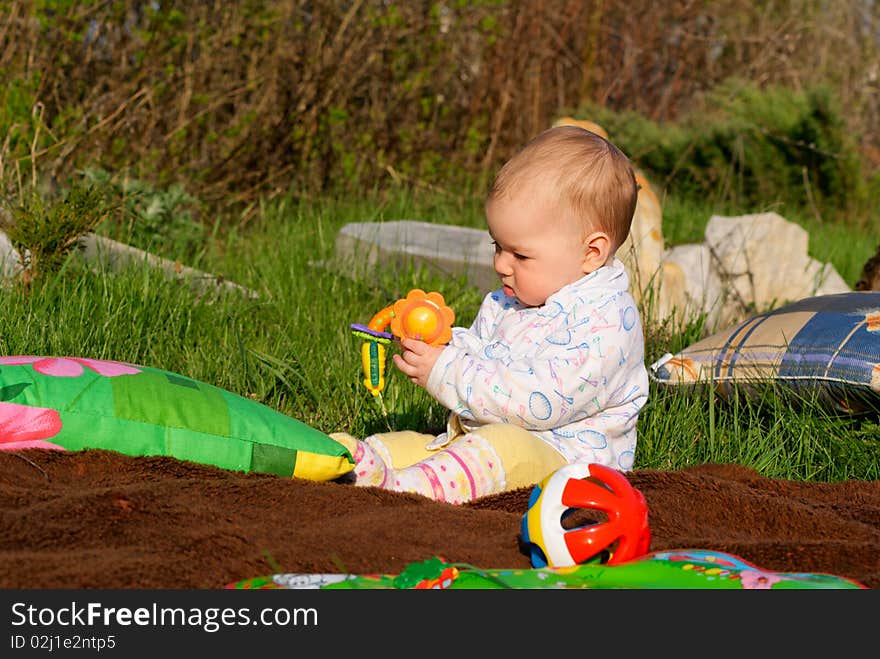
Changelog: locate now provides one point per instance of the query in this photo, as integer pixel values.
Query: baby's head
(558, 210)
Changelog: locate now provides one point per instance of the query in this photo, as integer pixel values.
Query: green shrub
(45, 232)
(158, 220)
(751, 148)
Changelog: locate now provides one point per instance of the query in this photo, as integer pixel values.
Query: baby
(552, 369)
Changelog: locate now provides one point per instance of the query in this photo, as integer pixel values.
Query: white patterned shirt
(571, 371)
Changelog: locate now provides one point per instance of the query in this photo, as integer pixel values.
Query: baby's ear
(597, 250)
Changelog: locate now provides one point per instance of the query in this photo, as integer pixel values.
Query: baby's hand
(417, 360)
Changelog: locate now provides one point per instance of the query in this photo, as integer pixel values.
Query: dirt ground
(98, 519)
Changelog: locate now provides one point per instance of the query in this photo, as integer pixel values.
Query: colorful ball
(622, 536)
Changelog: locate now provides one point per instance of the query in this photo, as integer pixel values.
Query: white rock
(702, 292)
(10, 261)
(763, 263)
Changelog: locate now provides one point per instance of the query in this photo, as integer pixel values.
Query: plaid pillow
(826, 347)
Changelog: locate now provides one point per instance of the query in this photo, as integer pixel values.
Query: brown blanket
(97, 519)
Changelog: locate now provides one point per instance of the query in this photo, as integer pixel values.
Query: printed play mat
(684, 569)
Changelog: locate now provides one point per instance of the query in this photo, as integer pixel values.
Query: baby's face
(537, 251)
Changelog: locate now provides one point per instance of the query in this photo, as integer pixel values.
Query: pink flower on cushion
(22, 426)
(71, 367)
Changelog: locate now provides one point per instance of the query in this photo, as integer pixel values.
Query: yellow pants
(490, 459)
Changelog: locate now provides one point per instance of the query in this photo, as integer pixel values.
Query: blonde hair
(584, 171)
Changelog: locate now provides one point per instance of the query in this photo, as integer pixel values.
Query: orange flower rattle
(419, 315)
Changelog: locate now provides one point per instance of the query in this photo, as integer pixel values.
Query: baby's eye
(520, 257)
(495, 245)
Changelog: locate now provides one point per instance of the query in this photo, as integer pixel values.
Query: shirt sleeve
(471, 338)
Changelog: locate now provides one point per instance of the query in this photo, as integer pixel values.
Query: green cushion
(77, 403)
(826, 348)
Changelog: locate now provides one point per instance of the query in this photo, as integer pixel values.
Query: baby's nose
(502, 264)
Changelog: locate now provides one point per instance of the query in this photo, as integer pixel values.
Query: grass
(796, 440)
(292, 349)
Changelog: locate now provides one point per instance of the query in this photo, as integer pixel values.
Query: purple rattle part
(366, 330)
